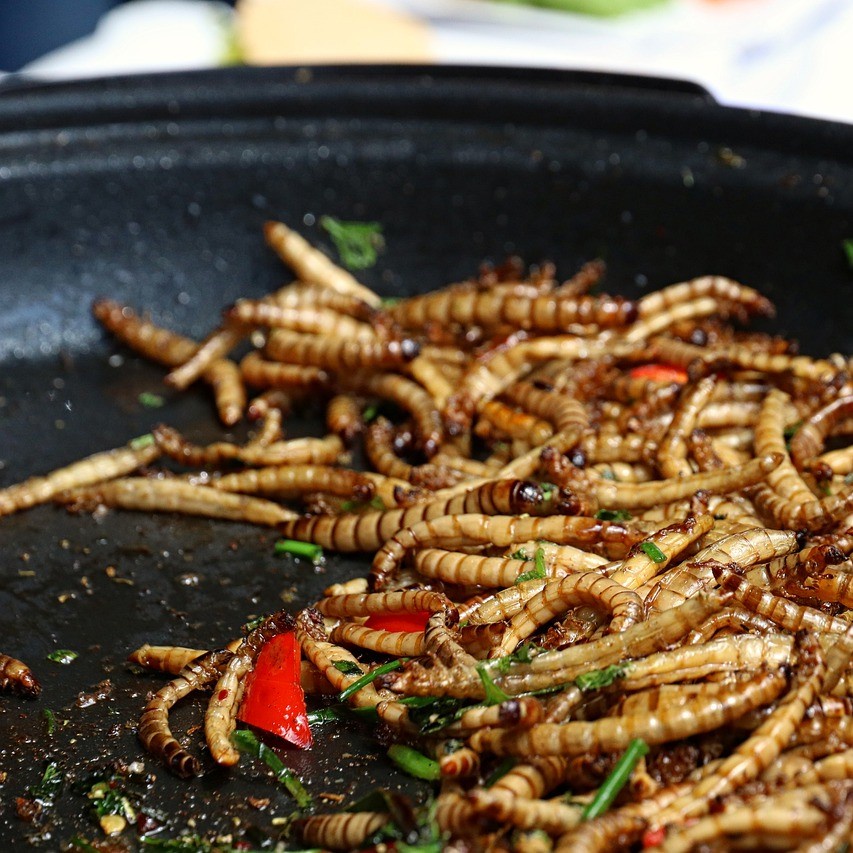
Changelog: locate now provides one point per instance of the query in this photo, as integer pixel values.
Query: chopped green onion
(246, 742)
(357, 242)
(613, 515)
(49, 721)
(63, 656)
(325, 715)
(413, 762)
(847, 246)
(347, 667)
(538, 571)
(520, 554)
(494, 695)
(370, 414)
(500, 771)
(598, 678)
(150, 400)
(369, 677)
(142, 441)
(653, 552)
(299, 549)
(614, 783)
(548, 490)
(254, 623)
(50, 785)
(390, 301)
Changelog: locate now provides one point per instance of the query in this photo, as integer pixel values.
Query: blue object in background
(31, 28)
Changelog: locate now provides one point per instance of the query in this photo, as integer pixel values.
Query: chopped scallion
(613, 515)
(847, 246)
(539, 569)
(63, 656)
(614, 783)
(653, 552)
(247, 742)
(601, 677)
(413, 762)
(347, 667)
(142, 441)
(299, 549)
(149, 400)
(369, 677)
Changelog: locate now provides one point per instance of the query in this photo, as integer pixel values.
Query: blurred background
(788, 55)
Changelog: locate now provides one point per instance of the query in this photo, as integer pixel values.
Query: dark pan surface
(155, 189)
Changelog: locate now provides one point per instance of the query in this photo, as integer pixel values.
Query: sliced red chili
(414, 621)
(274, 700)
(659, 373)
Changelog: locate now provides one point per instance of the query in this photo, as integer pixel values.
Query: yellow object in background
(287, 32)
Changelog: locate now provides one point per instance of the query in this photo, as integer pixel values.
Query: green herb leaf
(413, 762)
(254, 623)
(548, 490)
(520, 554)
(299, 549)
(539, 570)
(49, 721)
(369, 677)
(50, 785)
(598, 678)
(613, 515)
(149, 400)
(142, 441)
(109, 799)
(247, 742)
(494, 695)
(431, 714)
(63, 656)
(614, 783)
(847, 246)
(357, 242)
(653, 552)
(347, 667)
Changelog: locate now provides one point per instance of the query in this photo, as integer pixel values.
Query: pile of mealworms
(627, 525)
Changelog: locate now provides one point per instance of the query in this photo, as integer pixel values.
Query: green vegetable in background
(602, 8)
(357, 242)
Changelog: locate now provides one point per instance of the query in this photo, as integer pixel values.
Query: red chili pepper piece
(274, 700)
(653, 837)
(659, 373)
(414, 621)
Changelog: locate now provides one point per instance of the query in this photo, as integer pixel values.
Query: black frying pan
(154, 190)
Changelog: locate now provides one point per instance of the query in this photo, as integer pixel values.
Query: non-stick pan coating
(154, 191)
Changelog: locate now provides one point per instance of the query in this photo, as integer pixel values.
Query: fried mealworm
(153, 729)
(220, 718)
(94, 469)
(17, 677)
(311, 265)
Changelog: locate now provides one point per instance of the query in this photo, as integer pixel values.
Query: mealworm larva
(229, 392)
(286, 311)
(367, 531)
(261, 373)
(500, 530)
(730, 619)
(291, 480)
(725, 289)
(777, 609)
(86, 472)
(343, 417)
(646, 495)
(616, 732)
(341, 831)
(17, 677)
(397, 643)
(311, 265)
(496, 417)
(220, 718)
(672, 449)
(558, 596)
(453, 567)
(153, 730)
(463, 761)
(410, 397)
(508, 307)
(339, 352)
(763, 746)
(407, 601)
(149, 495)
(552, 817)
